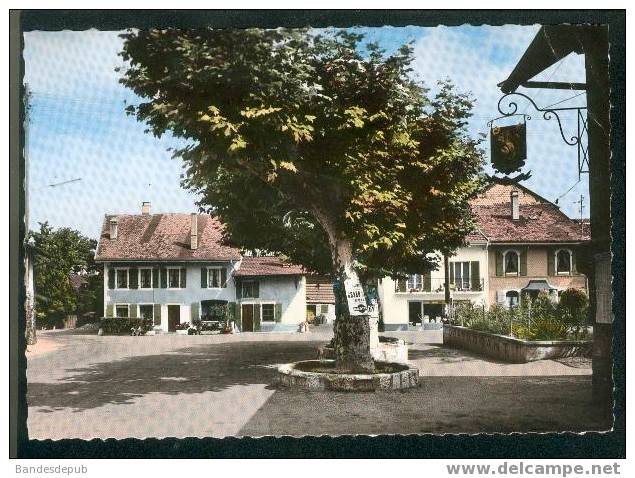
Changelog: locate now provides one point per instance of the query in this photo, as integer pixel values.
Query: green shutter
(183, 277)
(523, 262)
(401, 285)
(164, 278)
(257, 318)
(203, 277)
(132, 311)
(223, 277)
(451, 264)
(155, 277)
(234, 309)
(551, 262)
(109, 310)
(499, 263)
(427, 281)
(157, 314)
(574, 266)
(111, 278)
(194, 311)
(475, 275)
(134, 278)
(278, 312)
(257, 289)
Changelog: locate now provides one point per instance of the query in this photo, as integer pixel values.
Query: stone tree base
(352, 344)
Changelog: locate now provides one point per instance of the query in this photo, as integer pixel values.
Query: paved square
(86, 386)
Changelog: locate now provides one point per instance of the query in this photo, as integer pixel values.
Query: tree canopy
(303, 141)
(57, 254)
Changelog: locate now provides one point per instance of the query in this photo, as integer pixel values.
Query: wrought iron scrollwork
(511, 109)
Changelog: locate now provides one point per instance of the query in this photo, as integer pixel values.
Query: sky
(78, 127)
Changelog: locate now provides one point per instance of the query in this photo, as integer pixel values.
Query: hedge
(122, 325)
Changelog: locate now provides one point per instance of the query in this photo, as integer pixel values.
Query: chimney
(113, 228)
(145, 207)
(515, 206)
(194, 231)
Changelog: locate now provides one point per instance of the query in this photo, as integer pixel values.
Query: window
(511, 263)
(250, 289)
(216, 277)
(512, 298)
(145, 278)
(563, 261)
(324, 309)
(175, 278)
(146, 311)
(121, 310)
(461, 272)
(415, 281)
(268, 313)
(121, 280)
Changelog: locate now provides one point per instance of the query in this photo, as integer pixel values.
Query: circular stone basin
(317, 375)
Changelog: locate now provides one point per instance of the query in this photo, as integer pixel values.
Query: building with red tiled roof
(175, 269)
(522, 244)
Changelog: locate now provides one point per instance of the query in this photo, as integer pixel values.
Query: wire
(567, 191)
(562, 101)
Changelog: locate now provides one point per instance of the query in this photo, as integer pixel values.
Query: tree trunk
(352, 333)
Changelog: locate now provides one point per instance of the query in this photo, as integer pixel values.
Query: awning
(537, 285)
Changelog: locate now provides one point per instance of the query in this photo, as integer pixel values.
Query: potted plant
(182, 328)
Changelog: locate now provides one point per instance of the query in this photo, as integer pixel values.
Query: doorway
(248, 317)
(174, 317)
(414, 312)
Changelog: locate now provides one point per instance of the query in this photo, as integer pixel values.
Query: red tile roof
(538, 223)
(319, 290)
(267, 266)
(540, 220)
(164, 237)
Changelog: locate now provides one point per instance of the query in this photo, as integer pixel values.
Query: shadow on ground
(195, 369)
(444, 354)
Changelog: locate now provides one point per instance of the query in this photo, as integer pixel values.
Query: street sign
(355, 297)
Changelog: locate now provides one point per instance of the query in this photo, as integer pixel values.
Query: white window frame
(242, 289)
(518, 293)
(152, 285)
(511, 274)
(468, 284)
(127, 306)
(274, 312)
(180, 287)
(219, 269)
(127, 269)
(555, 264)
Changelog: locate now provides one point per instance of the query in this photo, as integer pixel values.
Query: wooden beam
(554, 85)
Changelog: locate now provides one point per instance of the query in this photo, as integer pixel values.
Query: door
(248, 317)
(414, 312)
(433, 311)
(174, 317)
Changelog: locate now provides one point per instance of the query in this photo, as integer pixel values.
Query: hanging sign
(355, 297)
(508, 147)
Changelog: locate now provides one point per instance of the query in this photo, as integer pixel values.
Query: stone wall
(510, 349)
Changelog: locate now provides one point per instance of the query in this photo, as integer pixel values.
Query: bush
(542, 329)
(573, 308)
(122, 325)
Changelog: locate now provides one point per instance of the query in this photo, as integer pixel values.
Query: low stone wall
(510, 349)
(290, 377)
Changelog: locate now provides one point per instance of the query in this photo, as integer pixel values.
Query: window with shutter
(204, 277)
(183, 278)
(164, 278)
(268, 312)
(278, 313)
(499, 263)
(475, 275)
(145, 278)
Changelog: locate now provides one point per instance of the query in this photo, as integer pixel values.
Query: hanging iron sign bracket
(511, 109)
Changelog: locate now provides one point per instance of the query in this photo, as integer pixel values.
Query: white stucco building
(174, 268)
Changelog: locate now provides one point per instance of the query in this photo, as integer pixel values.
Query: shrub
(573, 307)
(122, 325)
(543, 329)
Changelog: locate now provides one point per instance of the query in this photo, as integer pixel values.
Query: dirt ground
(86, 386)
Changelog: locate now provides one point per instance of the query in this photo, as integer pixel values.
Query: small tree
(57, 254)
(310, 146)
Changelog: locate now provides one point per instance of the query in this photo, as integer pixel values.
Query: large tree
(57, 254)
(312, 145)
